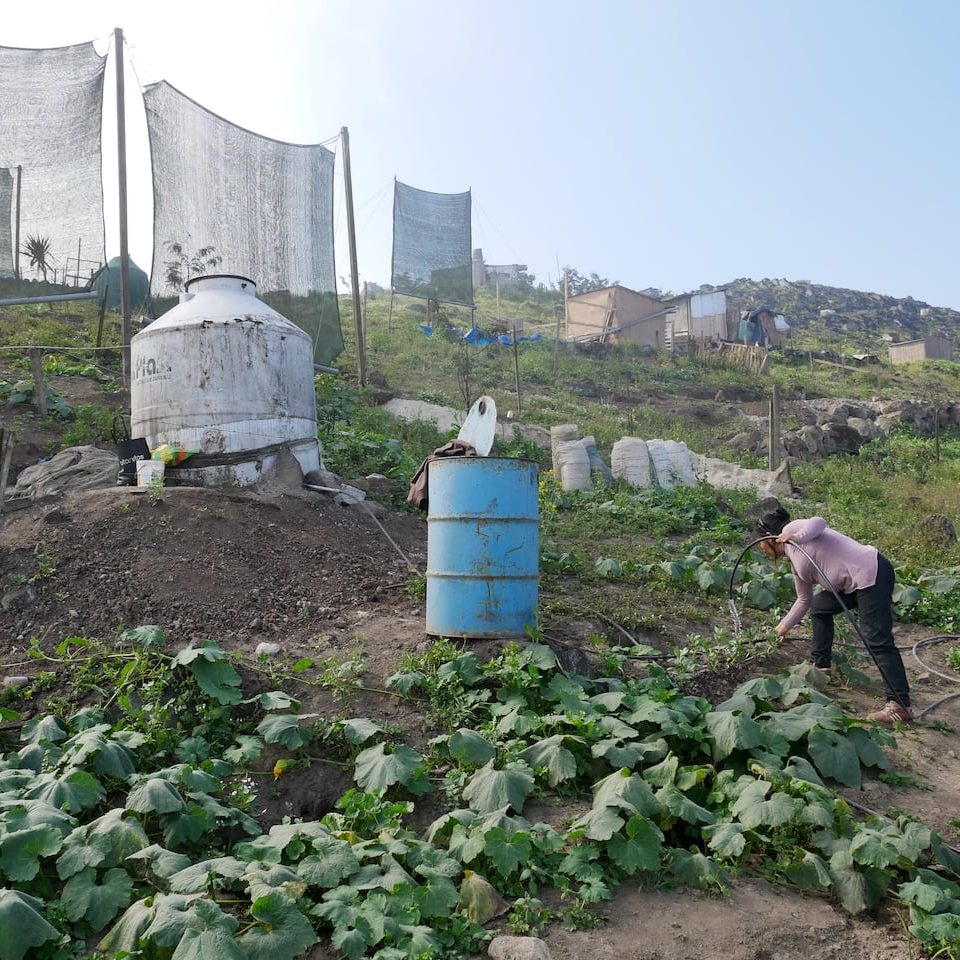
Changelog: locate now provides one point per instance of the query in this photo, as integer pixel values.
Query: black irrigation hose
(829, 584)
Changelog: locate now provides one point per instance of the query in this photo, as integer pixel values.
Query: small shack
(617, 315)
(929, 348)
(697, 316)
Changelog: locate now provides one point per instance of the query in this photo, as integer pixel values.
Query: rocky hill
(816, 305)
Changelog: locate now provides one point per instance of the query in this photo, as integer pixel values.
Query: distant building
(696, 316)
(487, 274)
(929, 348)
(617, 315)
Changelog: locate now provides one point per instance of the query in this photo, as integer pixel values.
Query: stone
(378, 485)
(866, 428)
(939, 530)
(745, 442)
(839, 438)
(811, 436)
(14, 683)
(322, 478)
(267, 649)
(349, 495)
(518, 948)
(19, 598)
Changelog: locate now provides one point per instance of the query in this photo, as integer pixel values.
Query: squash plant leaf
(20, 851)
(600, 823)
(42, 729)
(359, 730)
(198, 877)
(507, 851)
(809, 873)
(479, 899)
(285, 729)
(726, 840)
(732, 731)
(754, 810)
(471, 747)
(868, 750)
(22, 925)
(148, 635)
(381, 766)
(281, 932)
(155, 796)
(550, 754)
(637, 847)
(209, 933)
(74, 791)
(625, 789)
(332, 861)
(164, 863)
(696, 870)
(99, 903)
(835, 756)
(246, 749)
(490, 789)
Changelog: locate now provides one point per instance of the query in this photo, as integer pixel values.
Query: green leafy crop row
(128, 820)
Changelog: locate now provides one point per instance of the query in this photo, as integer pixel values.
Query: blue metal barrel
(483, 547)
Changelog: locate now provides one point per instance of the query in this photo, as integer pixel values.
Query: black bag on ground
(129, 451)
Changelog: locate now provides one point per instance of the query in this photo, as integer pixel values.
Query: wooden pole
(16, 236)
(354, 272)
(936, 432)
(516, 370)
(122, 181)
(39, 388)
(499, 317)
(364, 311)
(101, 310)
(390, 311)
(774, 434)
(556, 340)
(7, 452)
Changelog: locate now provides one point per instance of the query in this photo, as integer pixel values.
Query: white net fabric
(431, 245)
(51, 106)
(231, 201)
(6, 223)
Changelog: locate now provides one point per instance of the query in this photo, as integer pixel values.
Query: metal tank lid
(220, 298)
(221, 281)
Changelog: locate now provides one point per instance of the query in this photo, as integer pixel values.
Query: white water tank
(224, 375)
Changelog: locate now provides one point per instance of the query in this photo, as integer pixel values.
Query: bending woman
(861, 575)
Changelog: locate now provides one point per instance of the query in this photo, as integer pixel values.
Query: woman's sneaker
(892, 713)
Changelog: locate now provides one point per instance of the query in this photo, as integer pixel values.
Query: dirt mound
(197, 560)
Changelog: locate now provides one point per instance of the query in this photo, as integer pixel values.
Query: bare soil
(322, 581)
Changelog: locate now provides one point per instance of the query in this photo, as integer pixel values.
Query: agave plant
(37, 249)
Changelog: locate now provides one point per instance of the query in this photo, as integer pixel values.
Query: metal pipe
(56, 298)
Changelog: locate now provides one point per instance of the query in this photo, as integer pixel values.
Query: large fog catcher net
(230, 201)
(431, 245)
(51, 105)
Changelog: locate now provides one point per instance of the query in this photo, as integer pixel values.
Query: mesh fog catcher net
(51, 104)
(230, 201)
(431, 245)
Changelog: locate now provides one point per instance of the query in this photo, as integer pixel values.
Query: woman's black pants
(874, 608)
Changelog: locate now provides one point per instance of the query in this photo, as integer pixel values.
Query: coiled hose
(920, 644)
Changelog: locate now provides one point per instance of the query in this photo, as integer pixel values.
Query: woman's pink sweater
(848, 564)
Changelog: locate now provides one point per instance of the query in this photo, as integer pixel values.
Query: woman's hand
(783, 538)
(782, 631)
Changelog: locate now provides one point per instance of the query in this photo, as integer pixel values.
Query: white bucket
(150, 473)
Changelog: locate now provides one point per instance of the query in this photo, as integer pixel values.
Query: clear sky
(661, 143)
